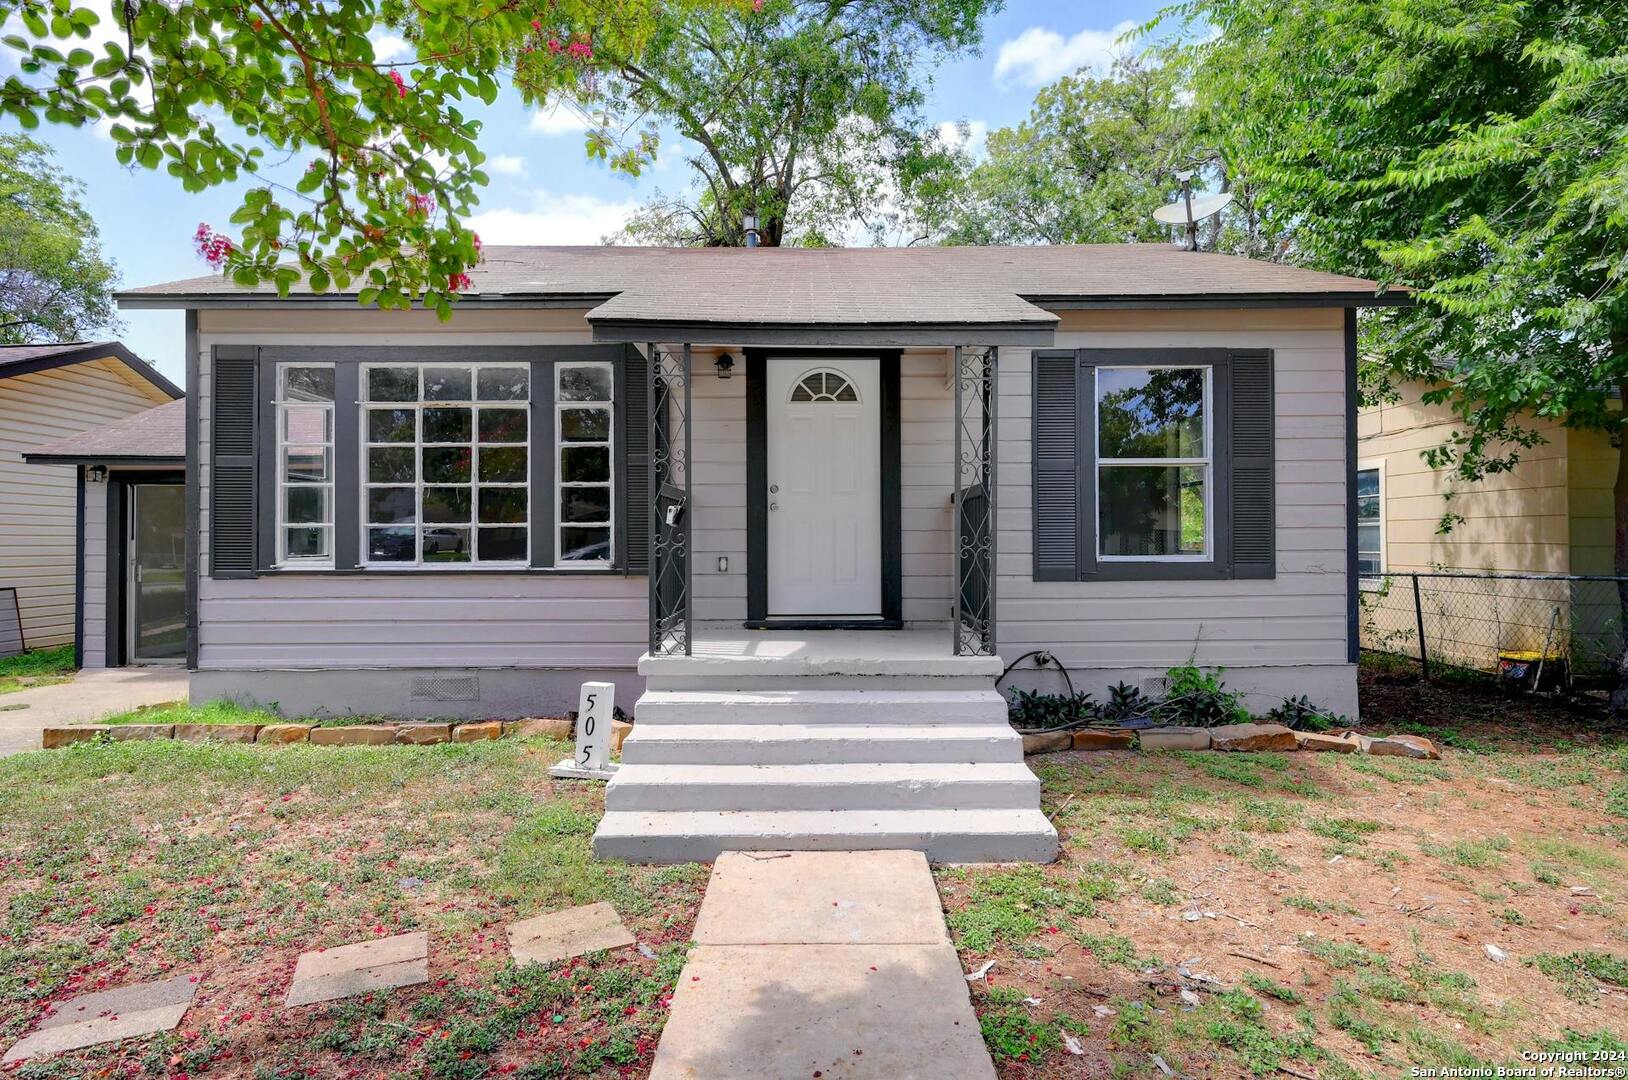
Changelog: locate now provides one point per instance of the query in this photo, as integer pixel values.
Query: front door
(824, 420)
(156, 600)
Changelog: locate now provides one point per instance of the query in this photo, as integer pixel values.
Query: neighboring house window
(1370, 521)
(583, 461)
(445, 469)
(305, 464)
(1153, 463)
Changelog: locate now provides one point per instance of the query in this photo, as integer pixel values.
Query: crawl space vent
(446, 687)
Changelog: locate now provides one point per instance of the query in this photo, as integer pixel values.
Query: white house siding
(1287, 635)
(37, 502)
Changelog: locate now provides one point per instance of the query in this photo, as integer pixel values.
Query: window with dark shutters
(232, 432)
(1066, 469)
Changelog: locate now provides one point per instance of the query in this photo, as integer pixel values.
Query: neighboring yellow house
(1551, 514)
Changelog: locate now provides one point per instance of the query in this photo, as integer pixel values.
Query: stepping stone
(562, 934)
(349, 970)
(108, 1016)
(792, 898)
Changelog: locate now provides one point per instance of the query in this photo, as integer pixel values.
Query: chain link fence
(1557, 630)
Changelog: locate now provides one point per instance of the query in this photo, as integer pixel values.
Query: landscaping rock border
(406, 733)
(1257, 738)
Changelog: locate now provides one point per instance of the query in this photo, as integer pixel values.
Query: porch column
(670, 592)
(975, 440)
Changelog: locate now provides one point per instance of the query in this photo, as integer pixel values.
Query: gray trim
(540, 514)
(225, 301)
(194, 499)
(160, 460)
(266, 465)
(1223, 300)
(250, 461)
(113, 570)
(1043, 467)
(1353, 645)
(347, 540)
(757, 480)
(100, 350)
(618, 461)
(1037, 335)
(78, 568)
(892, 464)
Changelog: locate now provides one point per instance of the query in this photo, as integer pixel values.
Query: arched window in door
(824, 386)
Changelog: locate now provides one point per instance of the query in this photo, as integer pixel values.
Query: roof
(155, 436)
(27, 359)
(1013, 291)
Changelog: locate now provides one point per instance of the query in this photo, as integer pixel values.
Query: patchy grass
(37, 667)
(129, 861)
(1326, 914)
(231, 712)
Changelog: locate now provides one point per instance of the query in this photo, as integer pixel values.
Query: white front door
(824, 449)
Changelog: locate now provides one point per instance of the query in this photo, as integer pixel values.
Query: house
(795, 503)
(48, 392)
(131, 558)
(1552, 514)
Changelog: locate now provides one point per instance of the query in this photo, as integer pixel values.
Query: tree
(1096, 157)
(805, 112)
(360, 170)
(54, 283)
(1474, 148)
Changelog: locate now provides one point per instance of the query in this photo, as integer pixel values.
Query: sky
(543, 189)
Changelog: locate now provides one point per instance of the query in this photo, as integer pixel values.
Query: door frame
(757, 493)
(118, 604)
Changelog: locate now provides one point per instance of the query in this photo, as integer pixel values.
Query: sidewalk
(827, 964)
(91, 696)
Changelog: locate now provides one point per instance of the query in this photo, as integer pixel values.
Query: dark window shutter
(635, 509)
(1252, 480)
(232, 431)
(1056, 467)
(543, 462)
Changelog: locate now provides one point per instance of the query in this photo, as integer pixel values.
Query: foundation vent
(446, 687)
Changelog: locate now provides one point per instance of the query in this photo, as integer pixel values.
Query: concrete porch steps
(868, 786)
(946, 836)
(884, 705)
(828, 743)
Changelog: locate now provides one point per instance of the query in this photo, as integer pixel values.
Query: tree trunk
(1619, 498)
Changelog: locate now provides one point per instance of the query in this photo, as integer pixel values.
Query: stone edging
(412, 734)
(1235, 737)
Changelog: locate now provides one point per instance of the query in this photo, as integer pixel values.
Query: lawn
(130, 861)
(37, 667)
(1314, 915)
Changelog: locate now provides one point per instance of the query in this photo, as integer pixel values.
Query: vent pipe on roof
(749, 223)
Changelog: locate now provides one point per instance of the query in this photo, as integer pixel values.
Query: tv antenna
(1188, 211)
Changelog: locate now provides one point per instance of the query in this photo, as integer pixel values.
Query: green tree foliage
(54, 283)
(1096, 157)
(1477, 149)
(807, 112)
(358, 172)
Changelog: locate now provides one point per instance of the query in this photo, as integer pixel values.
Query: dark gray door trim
(757, 492)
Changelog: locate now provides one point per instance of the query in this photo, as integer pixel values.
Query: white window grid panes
(460, 544)
(1370, 520)
(1204, 463)
(568, 535)
(304, 462)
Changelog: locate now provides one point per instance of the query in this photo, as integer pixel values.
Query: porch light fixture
(725, 365)
(96, 474)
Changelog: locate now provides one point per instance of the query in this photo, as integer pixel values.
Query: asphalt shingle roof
(152, 434)
(852, 286)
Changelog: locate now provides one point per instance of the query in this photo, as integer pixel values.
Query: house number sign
(595, 710)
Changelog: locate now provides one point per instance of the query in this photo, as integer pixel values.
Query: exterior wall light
(725, 365)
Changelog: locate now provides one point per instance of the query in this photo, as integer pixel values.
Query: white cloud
(554, 219)
(558, 120)
(387, 47)
(1039, 55)
(972, 139)
(505, 164)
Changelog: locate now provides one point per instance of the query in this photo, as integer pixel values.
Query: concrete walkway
(91, 696)
(827, 964)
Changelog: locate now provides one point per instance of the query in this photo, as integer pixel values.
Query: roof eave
(1391, 298)
(93, 352)
(1029, 335)
(177, 461)
(141, 301)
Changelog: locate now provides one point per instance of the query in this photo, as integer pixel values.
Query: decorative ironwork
(975, 435)
(670, 592)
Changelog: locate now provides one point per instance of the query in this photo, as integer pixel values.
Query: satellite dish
(1188, 211)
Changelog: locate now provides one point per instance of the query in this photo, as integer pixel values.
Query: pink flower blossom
(457, 282)
(211, 246)
(420, 204)
(401, 84)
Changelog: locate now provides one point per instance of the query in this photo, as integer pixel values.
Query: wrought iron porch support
(975, 442)
(671, 622)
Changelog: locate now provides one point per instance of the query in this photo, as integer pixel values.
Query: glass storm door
(157, 603)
